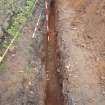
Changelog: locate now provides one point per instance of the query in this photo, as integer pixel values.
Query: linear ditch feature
(54, 95)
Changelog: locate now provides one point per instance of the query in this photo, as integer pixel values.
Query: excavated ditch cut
(54, 94)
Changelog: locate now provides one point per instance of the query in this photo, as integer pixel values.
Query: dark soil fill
(54, 94)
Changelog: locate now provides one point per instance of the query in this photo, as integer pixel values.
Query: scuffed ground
(22, 72)
(81, 37)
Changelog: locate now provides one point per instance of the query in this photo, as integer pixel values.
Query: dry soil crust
(81, 41)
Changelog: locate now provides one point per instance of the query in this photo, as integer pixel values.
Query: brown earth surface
(81, 41)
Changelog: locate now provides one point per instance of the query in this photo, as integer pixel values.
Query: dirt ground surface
(81, 32)
(67, 70)
(22, 72)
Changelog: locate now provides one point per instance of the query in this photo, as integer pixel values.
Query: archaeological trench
(66, 69)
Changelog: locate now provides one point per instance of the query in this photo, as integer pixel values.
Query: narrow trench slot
(54, 94)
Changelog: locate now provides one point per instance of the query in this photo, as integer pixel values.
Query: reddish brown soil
(54, 95)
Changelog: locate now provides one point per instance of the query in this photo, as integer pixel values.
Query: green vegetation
(20, 17)
(17, 21)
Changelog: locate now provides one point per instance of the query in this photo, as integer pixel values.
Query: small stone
(21, 71)
(29, 83)
(13, 55)
(31, 92)
(74, 28)
(47, 77)
(103, 77)
(58, 70)
(97, 59)
(47, 71)
(68, 66)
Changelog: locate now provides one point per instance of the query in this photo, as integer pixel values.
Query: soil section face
(54, 94)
